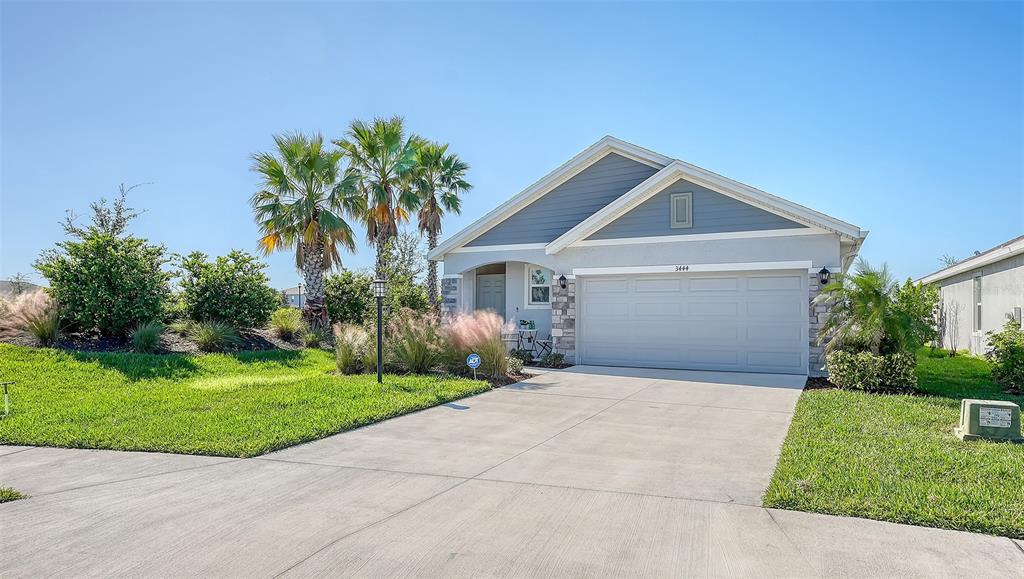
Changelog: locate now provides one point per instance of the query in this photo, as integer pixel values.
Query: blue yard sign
(473, 361)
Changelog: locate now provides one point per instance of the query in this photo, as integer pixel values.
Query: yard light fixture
(824, 275)
(378, 292)
(562, 281)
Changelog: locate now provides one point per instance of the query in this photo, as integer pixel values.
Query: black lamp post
(378, 292)
(824, 275)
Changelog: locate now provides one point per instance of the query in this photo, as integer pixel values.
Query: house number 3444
(682, 268)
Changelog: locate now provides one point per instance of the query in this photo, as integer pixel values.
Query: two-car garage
(754, 321)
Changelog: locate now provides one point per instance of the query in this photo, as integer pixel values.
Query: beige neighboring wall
(1002, 289)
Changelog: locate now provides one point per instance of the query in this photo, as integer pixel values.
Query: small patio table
(528, 337)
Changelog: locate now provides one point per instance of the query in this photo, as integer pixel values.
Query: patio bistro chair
(544, 347)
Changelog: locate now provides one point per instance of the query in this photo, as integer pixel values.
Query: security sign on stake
(473, 361)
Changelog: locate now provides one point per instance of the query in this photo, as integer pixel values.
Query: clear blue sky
(905, 119)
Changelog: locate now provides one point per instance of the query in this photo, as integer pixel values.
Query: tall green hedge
(106, 283)
(231, 289)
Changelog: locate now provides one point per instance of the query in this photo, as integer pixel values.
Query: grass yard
(894, 458)
(227, 405)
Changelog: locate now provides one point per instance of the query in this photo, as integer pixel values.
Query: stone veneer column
(450, 287)
(817, 313)
(563, 319)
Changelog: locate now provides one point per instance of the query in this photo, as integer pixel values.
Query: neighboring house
(979, 293)
(295, 296)
(631, 258)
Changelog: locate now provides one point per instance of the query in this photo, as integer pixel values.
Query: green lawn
(228, 405)
(895, 458)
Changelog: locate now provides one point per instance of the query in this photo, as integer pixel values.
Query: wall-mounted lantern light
(562, 282)
(824, 275)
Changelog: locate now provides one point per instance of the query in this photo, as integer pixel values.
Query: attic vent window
(682, 210)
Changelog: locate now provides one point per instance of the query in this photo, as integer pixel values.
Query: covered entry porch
(523, 294)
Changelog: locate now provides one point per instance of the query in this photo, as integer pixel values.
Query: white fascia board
(681, 170)
(703, 237)
(563, 173)
(508, 247)
(991, 256)
(695, 268)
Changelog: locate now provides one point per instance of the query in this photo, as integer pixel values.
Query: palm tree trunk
(314, 310)
(432, 291)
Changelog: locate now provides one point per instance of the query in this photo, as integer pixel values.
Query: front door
(490, 293)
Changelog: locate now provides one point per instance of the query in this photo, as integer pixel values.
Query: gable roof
(998, 253)
(669, 171)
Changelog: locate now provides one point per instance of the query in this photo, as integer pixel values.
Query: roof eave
(989, 257)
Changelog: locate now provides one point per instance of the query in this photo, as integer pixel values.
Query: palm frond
(300, 182)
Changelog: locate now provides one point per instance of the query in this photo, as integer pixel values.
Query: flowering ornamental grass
(239, 405)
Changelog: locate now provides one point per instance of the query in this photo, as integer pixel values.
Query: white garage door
(747, 322)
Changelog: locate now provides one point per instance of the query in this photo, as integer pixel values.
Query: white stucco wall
(1002, 289)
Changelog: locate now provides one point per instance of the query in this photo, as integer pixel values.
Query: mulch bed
(819, 383)
(558, 367)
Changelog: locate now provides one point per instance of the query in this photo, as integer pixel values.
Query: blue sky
(905, 119)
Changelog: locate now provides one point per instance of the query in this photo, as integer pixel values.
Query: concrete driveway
(586, 472)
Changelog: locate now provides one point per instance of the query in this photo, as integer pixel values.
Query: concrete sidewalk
(593, 472)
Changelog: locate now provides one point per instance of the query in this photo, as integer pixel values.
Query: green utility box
(990, 420)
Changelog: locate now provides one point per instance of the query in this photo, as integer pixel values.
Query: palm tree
(440, 178)
(300, 206)
(863, 313)
(381, 167)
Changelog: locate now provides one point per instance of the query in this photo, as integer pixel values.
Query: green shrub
(872, 372)
(349, 347)
(231, 289)
(174, 309)
(106, 283)
(1006, 352)
(213, 336)
(552, 360)
(515, 366)
(146, 337)
(181, 326)
(286, 323)
(522, 354)
(415, 339)
(348, 297)
(316, 338)
(34, 313)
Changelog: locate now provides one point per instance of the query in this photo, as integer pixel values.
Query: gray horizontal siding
(570, 203)
(712, 213)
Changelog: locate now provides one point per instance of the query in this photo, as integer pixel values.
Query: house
(295, 296)
(631, 258)
(979, 293)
